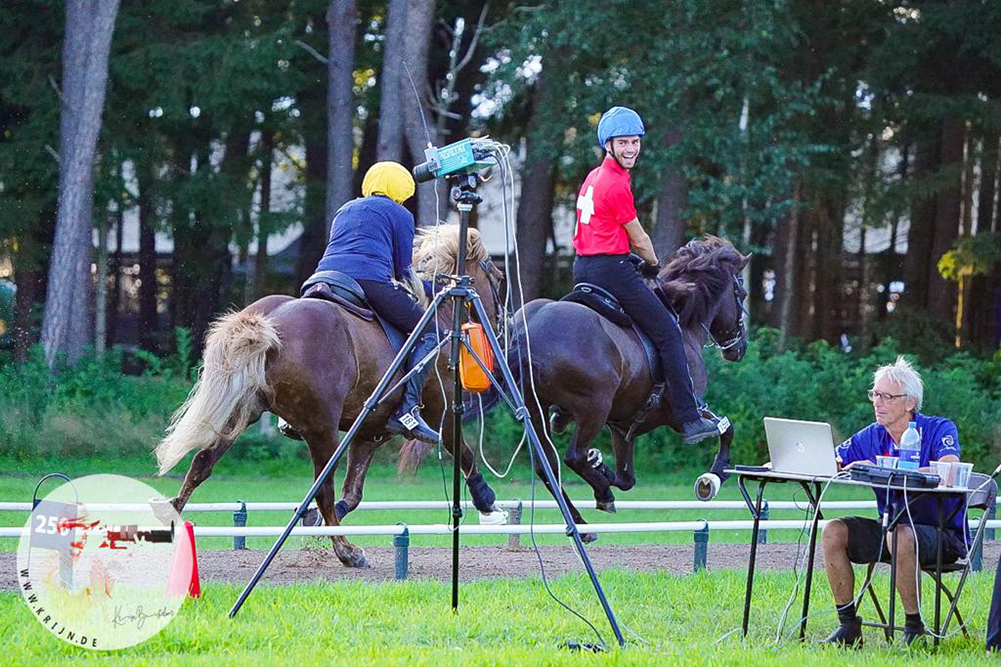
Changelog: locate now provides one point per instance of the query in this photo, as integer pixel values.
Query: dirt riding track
(478, 562)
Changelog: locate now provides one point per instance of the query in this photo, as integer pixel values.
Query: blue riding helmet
(619, 122)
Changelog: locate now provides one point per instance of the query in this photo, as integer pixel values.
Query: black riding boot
(407, 420)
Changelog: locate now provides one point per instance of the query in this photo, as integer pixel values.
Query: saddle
(343, 290)
(602, 302)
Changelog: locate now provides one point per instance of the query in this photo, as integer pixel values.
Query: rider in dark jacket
(607, 229)
(371, 240)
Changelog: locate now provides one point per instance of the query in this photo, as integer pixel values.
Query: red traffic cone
(184, 569)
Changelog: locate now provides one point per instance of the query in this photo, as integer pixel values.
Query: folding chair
(981, 499)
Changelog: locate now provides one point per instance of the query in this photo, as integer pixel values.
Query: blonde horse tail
(411, 454)
(231, 390)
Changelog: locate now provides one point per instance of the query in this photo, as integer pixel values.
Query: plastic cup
(886, 461)
(944, 471)
(961, 474)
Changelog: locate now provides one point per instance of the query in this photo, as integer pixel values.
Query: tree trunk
(921, 232)
(101, 294)
(416, 44)
(538, 179)
(669, 227)
(31, 270)
(366, 154)
(315, 221)
(148, 324)
(787, 289)
(828, 317)
(988, 183)
(66, 324)
(341, 19)
(263, 220)
(393, 84)
(942, 294)
(985, 291)
(115, 296)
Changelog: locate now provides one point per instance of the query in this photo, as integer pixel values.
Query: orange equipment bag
(472, 376)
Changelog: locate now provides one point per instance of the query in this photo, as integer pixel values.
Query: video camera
(462, 157)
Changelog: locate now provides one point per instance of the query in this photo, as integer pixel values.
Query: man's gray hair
(902, 372)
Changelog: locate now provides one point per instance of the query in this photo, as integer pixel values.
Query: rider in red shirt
(607, 229)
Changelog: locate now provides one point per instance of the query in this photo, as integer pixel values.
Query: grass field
(678, 619)
(681, 619)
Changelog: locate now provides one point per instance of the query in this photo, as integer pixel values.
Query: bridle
(735, 338)
(500, 316)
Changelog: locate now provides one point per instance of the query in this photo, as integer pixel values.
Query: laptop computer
(800, 447)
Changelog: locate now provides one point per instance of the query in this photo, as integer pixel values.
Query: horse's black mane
(709, 263)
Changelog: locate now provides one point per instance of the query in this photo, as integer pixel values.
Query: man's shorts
(865, 545)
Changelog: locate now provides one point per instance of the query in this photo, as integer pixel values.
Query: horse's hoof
(707, 486)
(594, 458)
(558, 420)
(587, 538)
(312, 517)
(605, 507)
(495, 517)
(288, 430)
(164, 510)
(355, 559)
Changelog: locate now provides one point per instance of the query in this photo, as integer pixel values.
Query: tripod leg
(370, 404)
(534, 442)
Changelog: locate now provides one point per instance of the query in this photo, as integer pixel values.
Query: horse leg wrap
(340, 509)
(483, 496)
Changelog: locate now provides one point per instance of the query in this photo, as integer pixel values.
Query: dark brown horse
(588, 371)
(314, 365)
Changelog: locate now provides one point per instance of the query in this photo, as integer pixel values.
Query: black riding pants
(393, 304)
(617, 274)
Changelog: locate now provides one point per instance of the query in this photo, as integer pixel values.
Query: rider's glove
(649, 270)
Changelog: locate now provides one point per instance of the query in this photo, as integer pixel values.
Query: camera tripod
(462, 295)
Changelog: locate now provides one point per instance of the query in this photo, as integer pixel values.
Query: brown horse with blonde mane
(586, 370)
(314, 364)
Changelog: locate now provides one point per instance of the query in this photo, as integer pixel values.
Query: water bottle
(910, 448)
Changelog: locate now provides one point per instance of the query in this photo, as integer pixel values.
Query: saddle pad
(343, 290)
(602, 302)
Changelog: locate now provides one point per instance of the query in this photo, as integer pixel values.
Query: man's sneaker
(849, 635)
(696, 431)
(913, 632)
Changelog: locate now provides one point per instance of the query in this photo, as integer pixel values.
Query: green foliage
(971, 256)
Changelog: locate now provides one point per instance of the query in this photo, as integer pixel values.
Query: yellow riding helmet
(390, 179)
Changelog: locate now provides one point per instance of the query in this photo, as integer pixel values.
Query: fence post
(401, 543)
(701, 537)
(514, 518)
(763, 533)
(240, 521)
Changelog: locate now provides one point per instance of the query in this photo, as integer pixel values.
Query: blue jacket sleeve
(945, 440)
(850, 450)
(403, 242)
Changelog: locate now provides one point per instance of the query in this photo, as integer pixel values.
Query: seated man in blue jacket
(896, 396)
(372, 240)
